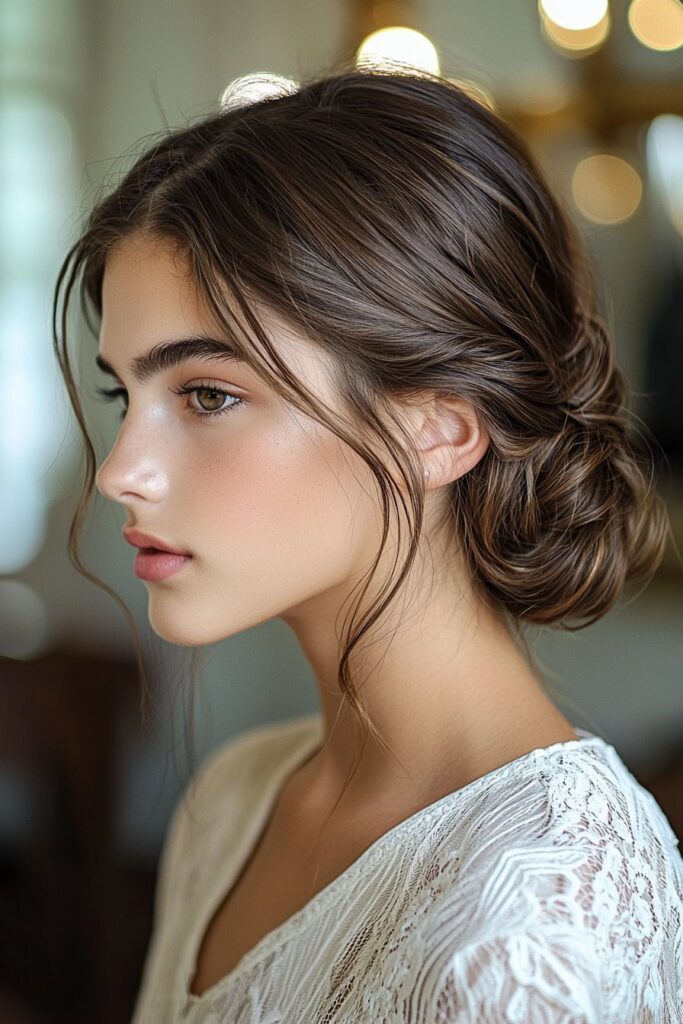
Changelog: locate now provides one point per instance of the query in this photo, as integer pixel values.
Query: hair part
(406, 231)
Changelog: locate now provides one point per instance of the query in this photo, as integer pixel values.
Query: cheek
(276, 517)
(277, 506)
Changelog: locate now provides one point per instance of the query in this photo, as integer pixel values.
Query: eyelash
(113, 393)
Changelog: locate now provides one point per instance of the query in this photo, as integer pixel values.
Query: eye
(215, 393)
(110, 394)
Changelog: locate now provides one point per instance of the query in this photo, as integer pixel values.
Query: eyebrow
(168, 354)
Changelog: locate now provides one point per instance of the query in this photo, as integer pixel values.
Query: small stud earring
(426, 474)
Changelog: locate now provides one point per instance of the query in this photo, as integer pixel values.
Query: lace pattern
(549, 891)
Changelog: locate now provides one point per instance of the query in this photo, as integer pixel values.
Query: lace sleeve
(584, 931)
(529, 976)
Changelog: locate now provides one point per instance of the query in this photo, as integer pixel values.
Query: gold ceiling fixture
(605, 97)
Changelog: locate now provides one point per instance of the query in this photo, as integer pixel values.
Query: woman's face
(274, 510)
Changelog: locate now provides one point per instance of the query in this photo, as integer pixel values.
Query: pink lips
(155, 565)
(156, 560)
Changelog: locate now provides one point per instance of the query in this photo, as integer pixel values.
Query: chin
(184, 626)
(178, 637)
(176, 629)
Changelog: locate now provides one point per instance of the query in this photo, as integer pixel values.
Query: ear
(449, 436)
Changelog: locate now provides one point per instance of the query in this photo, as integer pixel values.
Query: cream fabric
(549, 890)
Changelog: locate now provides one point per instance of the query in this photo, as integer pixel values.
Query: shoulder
(566, 897)
(562, 803)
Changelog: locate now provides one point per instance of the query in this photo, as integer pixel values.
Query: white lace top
(549, 890)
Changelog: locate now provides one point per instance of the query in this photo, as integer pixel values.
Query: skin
(282, 520)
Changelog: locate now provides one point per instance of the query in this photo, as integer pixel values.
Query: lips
(150, 544)
(155, 566)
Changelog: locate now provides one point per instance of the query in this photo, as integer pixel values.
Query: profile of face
(277, 513)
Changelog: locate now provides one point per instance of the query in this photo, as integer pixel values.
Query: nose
(131, 473)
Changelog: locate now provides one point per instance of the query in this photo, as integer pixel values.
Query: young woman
(366, 391)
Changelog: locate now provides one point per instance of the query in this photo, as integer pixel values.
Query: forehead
(147, 283)
(149, 297)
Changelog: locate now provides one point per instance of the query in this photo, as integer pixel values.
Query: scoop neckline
(311, 727)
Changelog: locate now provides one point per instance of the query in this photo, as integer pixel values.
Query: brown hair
(406, 230)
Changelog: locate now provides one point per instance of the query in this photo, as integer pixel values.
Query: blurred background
(85, 791)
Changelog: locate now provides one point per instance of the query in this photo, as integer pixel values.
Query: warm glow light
(575, 15)
(254, 87)
(657, 24)
(577, 42)
(606, 189)
(391, 47)
(540, 94)
(478, 92)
